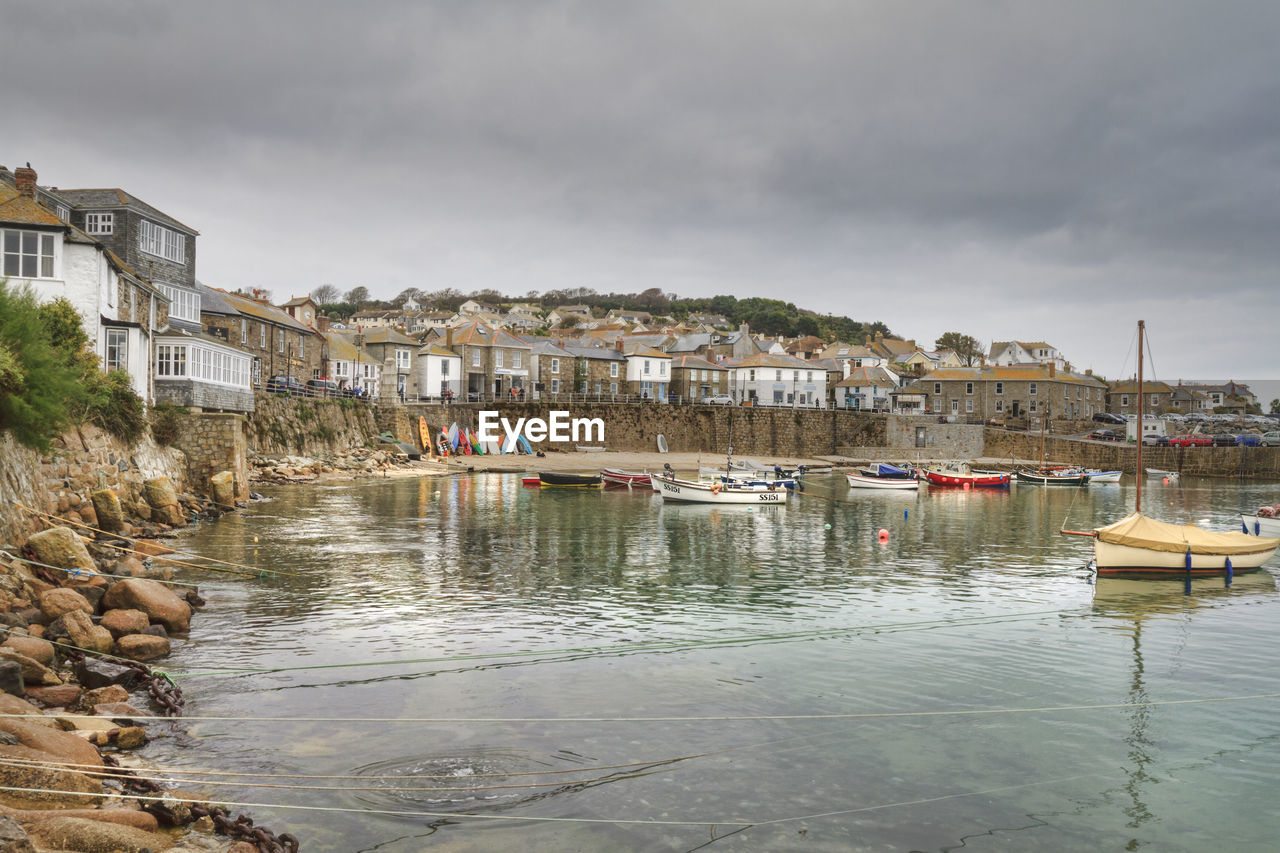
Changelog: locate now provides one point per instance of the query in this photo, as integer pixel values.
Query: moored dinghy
(858, 481)
(618, 477)
(563, 480)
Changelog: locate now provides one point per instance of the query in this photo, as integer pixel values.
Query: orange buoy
(883, 535)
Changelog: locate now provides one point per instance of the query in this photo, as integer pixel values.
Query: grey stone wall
(203, 395)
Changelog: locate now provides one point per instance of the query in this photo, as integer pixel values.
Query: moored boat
(562, 480)
(1160, 473)
(691, 491)
(618, 477)
(858, 481)
(1264, 522)
(960, 474)
(1051, 477)
(885, 471)
(1139, 546)
(1103, 476)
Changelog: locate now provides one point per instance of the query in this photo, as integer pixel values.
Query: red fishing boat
(960, 474)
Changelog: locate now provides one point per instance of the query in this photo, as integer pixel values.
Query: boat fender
(715, 488)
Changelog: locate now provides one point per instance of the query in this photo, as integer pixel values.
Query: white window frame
(515, 361)
(155, 239)
(555, 386)
(402, 359)
(497, 357)
(555, 365)
(1031, 389)
(100, 224)
(613, 370)
(475, 358)
(28, 254)
(183, 304)
(117, 354)
(262, 336)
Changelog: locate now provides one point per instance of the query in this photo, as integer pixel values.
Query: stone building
(493, 361)
(778, 380)
(1122, 398)
(278, 344)
(121, 311)
(397, 355)
(694, 378)
(981, 393)
(597, 371)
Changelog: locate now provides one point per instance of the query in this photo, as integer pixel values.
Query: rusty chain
(242, 829)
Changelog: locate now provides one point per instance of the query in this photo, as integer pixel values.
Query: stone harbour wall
(308, 427)
(213, 443)
(1245, 462)
(81, 462)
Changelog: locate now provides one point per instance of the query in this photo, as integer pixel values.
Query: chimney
(1053, 369)
(24, 179)
(448, 337)
(322, 322)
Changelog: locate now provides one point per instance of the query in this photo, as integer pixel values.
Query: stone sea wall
(82, 462)
(1246, 462)
(308, 427)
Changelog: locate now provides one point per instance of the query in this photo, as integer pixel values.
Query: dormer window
(162, 242)
(101, 224)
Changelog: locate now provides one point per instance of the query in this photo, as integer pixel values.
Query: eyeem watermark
(558, 428)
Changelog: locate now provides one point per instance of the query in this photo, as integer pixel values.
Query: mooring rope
(168, 558)
(95, 573)
(653, 645)
(728, 718)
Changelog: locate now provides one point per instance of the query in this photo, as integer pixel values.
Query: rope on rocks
(75, 572)
(236, 568)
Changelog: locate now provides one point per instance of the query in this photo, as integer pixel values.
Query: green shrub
(165, 420)
(112, 405)
(39, 380)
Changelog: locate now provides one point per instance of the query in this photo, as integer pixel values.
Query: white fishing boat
(1161, 474)
(1138, 546)
(860, 481)
(696, 491)
(1103, 476)
(1264, 522)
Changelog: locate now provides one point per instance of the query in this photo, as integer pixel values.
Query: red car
(1191, 440)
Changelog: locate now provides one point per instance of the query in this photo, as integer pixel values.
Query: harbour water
(586, 670)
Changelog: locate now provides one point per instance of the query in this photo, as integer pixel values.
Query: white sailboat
(1139, 546)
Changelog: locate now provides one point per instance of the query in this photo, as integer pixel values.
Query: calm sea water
(601, 672)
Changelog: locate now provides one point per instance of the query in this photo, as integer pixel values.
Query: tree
(807, 325)
(966, 347)
(358, 295)
(405, 295)
(326, 294)
(39, 384)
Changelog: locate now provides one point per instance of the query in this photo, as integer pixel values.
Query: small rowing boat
(858, 481)
(618, 477)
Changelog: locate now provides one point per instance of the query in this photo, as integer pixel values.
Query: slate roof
(18, 209)
(764, 359)
(342, 347)
(476, 333)
(266, 313)
(1018, 373)
(867, 376)
(694, 362)
(94, 199)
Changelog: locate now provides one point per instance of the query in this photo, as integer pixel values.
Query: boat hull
(615, 477)
(1257, 525)
(894, 483)
(1113, 559)
(986, 480)
(1104, 476)
(568, 481)
(1051, 479)
(687, 491)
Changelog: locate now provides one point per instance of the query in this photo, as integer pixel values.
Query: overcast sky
(1011, 170)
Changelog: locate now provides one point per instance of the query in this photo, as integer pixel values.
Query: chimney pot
(24, 179)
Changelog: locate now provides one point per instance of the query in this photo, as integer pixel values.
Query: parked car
(1105, 435)
(1155, 440)
(1194, 439)
(1249, 439)
(1224, 439)
(718, 400)
(1107, 418)
(281, 384)
(1271, 439)
(321, 387)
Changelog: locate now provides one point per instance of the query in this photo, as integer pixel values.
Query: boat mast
(1043, 420)
(1138, 473)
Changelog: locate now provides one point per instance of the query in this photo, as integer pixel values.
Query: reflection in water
(497, 612)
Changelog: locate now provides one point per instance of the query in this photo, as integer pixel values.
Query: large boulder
(93, 673)
(106, 505)
(41, 651)
(13, 838)
(129, 817)
(92, 836)
(160, 493)
(33, 752)
(11, 681)
(12, 705)
(142, 647)
(154, 599)
(33, 672)
(121, 621)
(83, 634)
(59, 600)
(223, 486)
(61, 547)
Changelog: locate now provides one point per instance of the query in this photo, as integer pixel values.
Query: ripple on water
(467, 780)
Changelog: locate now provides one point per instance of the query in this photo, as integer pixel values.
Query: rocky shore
(86, 605)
